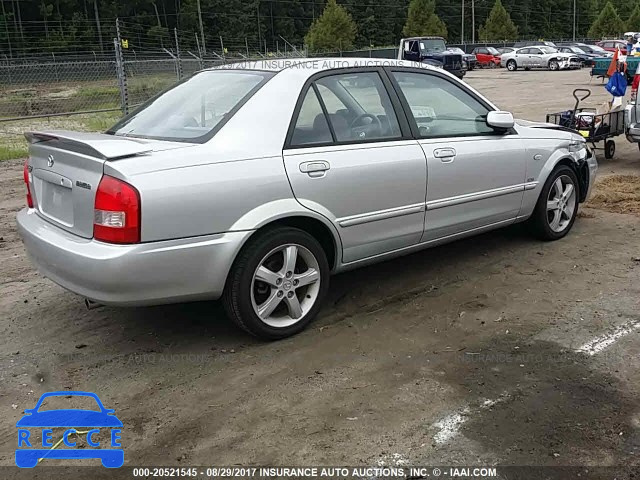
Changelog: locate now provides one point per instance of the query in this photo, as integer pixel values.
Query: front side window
(441, 108)
(192, 110)
(358, 107)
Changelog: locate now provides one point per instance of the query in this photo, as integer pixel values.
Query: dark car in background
(432, 50)
(594, 49)
(469, 58)
(587, 59)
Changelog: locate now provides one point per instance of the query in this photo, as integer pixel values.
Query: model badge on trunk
(83, 185)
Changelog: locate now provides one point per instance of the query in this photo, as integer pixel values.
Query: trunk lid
(65, 169)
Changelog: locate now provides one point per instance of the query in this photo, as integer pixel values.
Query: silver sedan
(541, 56)
(255, 182)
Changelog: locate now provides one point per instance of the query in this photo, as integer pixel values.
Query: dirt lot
(494, 350)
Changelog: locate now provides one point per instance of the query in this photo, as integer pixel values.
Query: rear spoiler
(98, 145)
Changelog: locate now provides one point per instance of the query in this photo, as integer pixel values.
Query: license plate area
(54, 194)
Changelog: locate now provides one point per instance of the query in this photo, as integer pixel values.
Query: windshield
(597, 49)
(548, 49)
(432, 45)
(577, 50)
(457, 50)
(493, 51)
(191, 110)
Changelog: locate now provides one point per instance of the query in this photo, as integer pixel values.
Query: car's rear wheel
(557, 205)
(512, 66)
(277, 283)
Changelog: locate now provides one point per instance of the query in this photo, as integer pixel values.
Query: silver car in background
(541, 56)
(255, 182)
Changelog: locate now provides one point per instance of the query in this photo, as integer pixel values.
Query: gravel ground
(492, 350)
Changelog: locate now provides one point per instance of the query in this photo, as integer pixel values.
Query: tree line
(41, 25)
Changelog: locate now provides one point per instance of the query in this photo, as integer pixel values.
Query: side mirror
(502, 120)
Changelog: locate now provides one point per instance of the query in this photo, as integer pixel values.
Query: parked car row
(567, 55)
(526, 54)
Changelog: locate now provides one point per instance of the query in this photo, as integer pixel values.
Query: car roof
(426, 37)
(316, 64)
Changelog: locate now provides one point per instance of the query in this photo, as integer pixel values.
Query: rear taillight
(26, 175)
(117, 212)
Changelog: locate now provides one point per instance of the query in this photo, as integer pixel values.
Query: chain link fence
(89, 91)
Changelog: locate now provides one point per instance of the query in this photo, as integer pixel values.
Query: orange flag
(614, 63)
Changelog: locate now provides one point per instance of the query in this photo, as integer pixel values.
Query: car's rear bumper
(141, 274)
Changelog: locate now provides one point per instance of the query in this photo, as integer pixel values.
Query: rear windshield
(193, 110)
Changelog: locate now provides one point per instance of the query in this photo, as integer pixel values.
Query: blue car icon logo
(27, 456)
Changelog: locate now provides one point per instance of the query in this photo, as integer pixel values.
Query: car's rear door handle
(316, 168)
(445, 155)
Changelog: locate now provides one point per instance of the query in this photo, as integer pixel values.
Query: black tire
(609, 149)
(237, 296)
(512, 66)
(554, 66)
(539, 220)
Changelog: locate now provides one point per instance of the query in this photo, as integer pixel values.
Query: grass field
(12, 141)
(56, 98)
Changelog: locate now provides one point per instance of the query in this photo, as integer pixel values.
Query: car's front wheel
(277, 283)
(554, 65)
(557, 205)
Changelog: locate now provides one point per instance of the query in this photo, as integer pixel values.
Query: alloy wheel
(285, 285)
(561, 203)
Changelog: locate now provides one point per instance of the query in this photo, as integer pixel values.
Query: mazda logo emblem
(50, 161)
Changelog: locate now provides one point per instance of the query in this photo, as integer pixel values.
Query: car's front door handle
(445, 155)
(316, 168)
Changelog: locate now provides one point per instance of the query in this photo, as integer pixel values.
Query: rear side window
(195, 109)
(359, 107)
(311, 127)
(346, 108)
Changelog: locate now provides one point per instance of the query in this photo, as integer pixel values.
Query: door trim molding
(472, 197)
(380, 215)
